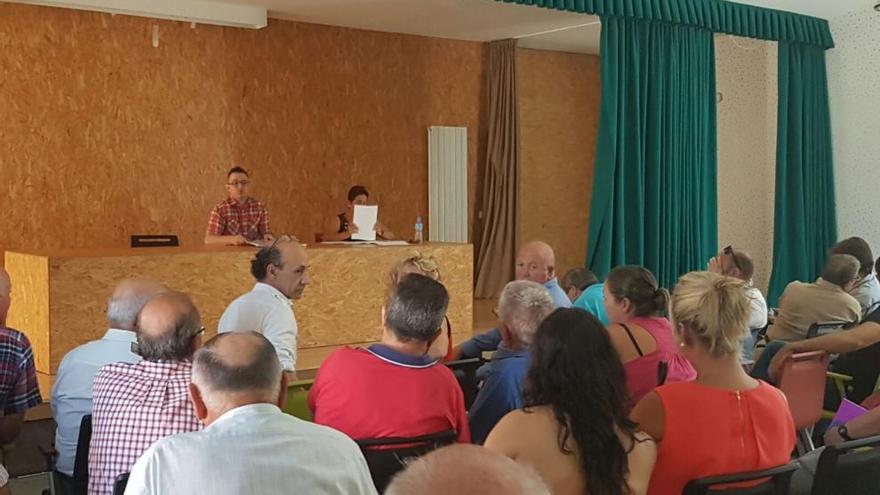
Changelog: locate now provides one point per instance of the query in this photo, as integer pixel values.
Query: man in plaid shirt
(240, 218)
(18, 377)
(137, 404)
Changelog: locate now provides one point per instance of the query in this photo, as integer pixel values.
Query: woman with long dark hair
(574, 428)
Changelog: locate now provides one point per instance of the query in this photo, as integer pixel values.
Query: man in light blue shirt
(72, 390)
(535, 261)
(522, 307)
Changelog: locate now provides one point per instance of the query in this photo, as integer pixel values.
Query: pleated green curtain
(805, 226)
(654, 197)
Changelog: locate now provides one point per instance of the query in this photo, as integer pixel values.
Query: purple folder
(847, 412)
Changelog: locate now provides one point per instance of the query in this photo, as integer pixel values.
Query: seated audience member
(136, 404)
(72, 388)
(535, 261)
(724, 422)
(240, 218)
(248, 445)
(282, 273)
(523, 305)
(427, 266)
(466, 470)
(394, 389)
(866, 289)
(18, 376)
(639, 333)
(738, 264)
(340, 227)
(577, 443)
(826, 299)
(859, 350)
(586, 292)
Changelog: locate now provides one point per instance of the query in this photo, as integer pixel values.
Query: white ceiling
(486, 20)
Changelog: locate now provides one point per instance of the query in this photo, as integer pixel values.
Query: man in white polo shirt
(282, 274)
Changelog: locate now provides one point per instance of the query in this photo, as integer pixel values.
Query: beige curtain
(497, 238)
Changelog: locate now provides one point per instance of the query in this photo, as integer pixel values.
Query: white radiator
(447, 184)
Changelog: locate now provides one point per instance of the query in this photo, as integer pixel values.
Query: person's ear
(282, 394)
(625, 304)
(195, 396)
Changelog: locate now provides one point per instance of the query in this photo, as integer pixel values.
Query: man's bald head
(466, 470)
(235, 368)
(536, 261)
(5, 289)
(167, 326)
(128, 299)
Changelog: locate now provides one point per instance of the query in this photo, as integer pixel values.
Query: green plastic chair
(297, 404)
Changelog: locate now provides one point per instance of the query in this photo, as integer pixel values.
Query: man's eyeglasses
(237, 183)
(729, 251)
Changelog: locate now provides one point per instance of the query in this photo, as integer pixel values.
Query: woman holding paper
(341, 226)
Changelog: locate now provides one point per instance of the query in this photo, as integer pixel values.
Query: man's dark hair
(858, 247)
(840, 269)
(263, 373)
(236, 170)
(265, 257)
(417, 308)
(356, 191)
(578, 278)
(174, 342)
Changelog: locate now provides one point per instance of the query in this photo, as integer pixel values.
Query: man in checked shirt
(240, 218)
(137, 404)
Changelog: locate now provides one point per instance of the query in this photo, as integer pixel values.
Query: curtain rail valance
(715, 15)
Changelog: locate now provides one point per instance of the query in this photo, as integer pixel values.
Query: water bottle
(418, 237)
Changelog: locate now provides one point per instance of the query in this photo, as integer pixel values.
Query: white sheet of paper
(365, 218)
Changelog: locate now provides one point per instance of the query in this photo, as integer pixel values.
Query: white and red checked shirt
(135, 405)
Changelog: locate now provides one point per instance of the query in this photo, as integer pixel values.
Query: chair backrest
(775, 482)
(465, 371)
(802, 380)
(139, 241)
(120, 484)
(297, 404)
(81, 458)
(662, 372)
(849, 468)
(388, 456)
(824, 327)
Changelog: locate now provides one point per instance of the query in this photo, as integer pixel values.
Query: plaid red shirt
(18, 376)
(249, 219)
(135, 405)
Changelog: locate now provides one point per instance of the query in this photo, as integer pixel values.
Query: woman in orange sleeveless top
(724, 422)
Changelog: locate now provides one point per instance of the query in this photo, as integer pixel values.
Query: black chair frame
(777, 483)
(395, 452)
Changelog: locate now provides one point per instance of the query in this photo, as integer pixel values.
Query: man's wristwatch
(844, 433)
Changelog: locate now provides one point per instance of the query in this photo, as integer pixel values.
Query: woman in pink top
(638, 331)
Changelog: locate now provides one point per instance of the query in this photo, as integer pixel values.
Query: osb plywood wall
(746, 78)
(559, 95)
(104, 136)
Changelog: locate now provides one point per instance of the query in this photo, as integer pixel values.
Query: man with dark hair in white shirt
(248, 445)
(282, 273)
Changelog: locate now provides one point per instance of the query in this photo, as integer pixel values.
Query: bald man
(72, 389)
(466, 470)
(248, 445)
(535, 261)
(282, 273)
(137, 404)
(18, 376)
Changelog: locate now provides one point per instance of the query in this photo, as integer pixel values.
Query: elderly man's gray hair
(523, 306)
(256, 367)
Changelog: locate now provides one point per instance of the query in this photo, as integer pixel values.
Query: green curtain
(654, 197)
(715, 15)
(805, 226)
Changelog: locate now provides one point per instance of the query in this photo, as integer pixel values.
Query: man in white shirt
(248, 445)
(282, 274)
(737, 263)
(72, 389)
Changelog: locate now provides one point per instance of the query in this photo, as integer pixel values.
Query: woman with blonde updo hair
(425, 265)
(724, 422)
